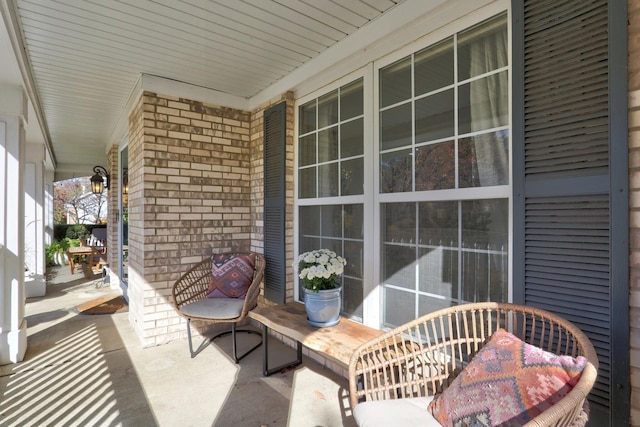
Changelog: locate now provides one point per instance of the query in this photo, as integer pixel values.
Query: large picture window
(412, 186)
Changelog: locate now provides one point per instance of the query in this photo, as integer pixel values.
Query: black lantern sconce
(125, 187)
(100, 180)
(125, 182)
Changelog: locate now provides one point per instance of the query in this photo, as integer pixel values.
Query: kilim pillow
(508, 383)
(231, 275)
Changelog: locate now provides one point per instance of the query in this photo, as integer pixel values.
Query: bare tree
(73, 200)
(95, 207)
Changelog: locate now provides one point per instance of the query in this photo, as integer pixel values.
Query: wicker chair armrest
(251, 298)
(193, 285)
(393, 365)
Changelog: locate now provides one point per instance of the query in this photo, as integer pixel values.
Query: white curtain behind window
(489, 107)
(489, 102)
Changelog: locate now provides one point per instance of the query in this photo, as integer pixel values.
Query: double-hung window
(440, 162)
(330, 183)
(444, 174)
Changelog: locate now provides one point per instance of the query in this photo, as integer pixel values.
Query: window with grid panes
(444, 174)
(441, 196)
(330, 169)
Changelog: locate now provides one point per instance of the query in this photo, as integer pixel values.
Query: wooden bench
(336, 343)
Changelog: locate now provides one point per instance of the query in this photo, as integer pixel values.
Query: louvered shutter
(274, 202)
(570, 205)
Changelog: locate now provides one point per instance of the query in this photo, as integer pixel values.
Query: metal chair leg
(234, 344)
(233, 331)
(202, 346)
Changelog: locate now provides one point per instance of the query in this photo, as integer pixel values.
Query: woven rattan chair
(421, 358)
(190, 298)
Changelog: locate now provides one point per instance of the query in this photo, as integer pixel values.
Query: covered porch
(185, 103)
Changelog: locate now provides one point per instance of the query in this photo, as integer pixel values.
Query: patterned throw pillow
(231, 275)
(508, 383)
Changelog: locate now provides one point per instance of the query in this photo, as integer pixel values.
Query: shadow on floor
(253, 399)
(71, 376)
(93, 371)
(306, 396)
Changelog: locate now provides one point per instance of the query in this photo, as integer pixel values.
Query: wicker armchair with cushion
(221, 289)
(481, 364)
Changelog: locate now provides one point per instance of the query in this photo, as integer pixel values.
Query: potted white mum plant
(320, 272)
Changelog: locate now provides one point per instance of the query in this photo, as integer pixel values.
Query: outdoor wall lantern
(125, 187)
(98, 184)
(125, 182)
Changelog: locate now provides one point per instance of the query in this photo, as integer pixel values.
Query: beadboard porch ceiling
(84, 57)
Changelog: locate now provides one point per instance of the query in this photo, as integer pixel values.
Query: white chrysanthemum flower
(320, 269)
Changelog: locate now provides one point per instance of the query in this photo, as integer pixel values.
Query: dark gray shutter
(274, 202)
(570, 178)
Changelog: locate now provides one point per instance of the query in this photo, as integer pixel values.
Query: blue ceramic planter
(323, 307)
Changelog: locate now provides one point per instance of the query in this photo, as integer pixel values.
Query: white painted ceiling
(85, 56)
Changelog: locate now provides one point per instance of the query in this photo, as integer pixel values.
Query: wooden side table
(335, 342)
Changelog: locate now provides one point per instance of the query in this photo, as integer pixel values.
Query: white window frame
(366, 199)
(372, 199)
(123, 284)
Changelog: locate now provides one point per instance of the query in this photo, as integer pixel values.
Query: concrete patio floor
(91, 370)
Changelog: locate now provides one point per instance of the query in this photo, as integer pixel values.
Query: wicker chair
(191, 302)
(422, 357)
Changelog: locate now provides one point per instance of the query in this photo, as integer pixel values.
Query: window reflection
(339, 228)
(440, 134)
(326, 152)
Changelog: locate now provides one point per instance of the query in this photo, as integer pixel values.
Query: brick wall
(195, 186)
(136, 226)
(257, 184)
(634, 205)
(189, 187)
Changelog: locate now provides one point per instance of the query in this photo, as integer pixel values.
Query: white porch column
(13, 326)
(34, 204)
(48, 208)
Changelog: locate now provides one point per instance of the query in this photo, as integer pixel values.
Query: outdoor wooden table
(87, 252)
(336, 342)
(83, 251)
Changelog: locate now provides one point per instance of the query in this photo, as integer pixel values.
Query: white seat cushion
(411, 412)
(214, 308)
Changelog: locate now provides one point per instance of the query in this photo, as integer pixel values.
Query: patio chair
(98, 237)
(98, 259)
(402, 376)
(222, 288)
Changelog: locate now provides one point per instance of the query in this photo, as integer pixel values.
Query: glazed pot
(323, 307)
